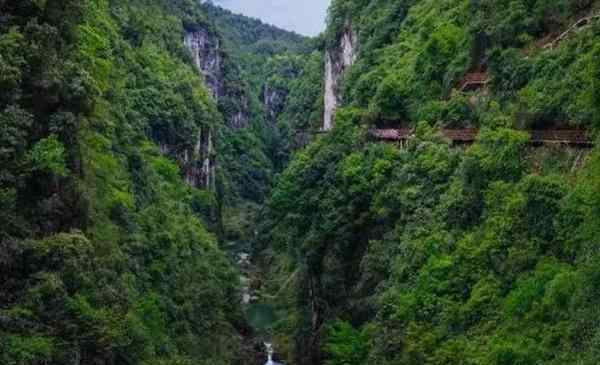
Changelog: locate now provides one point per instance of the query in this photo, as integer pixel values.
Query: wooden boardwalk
(581, 23)
(473, 81)
(570, 137)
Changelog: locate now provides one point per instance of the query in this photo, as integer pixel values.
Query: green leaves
(15, 124)
(25, 350)
(499, 155)
(456, 256)
(84, 86)
(48, 155)
(12, 60)
(345, 345)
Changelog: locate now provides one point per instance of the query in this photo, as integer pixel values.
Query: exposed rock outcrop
(337, 61)
(199, 168)
(198, 162)
(274, 102)
(239, 119)
(205, 49)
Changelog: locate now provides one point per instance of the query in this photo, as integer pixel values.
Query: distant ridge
(249, 29)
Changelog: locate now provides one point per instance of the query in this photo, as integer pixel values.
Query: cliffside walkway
(569, 137)
(585, 21)
(473, 81)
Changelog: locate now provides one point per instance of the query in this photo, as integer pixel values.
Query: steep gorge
(135, 153)
(171, 197)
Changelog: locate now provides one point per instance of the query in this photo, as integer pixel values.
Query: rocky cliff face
(205, 49)
(337, 61)
(274, 102)
(239, 119)
(199, 167)
(198, 162)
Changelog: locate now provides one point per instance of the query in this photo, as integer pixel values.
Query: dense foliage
(281, 65)
(258, 57)
(441, 256)
(431, 253)
(414, 53)
(293, 88)
(105, 252)
(373, 253)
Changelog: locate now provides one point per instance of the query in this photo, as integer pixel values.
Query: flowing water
(270, 351)
(260, 315)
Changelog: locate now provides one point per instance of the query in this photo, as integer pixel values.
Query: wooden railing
(572, 137)
(473, 81)
(577, 25)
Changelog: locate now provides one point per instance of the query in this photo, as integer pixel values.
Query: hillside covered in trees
(118, 163)
(420, 184)
(426, 251)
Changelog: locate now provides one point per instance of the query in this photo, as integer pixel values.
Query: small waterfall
(270, 351)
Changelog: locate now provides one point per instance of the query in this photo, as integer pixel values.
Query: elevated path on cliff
(537, 137)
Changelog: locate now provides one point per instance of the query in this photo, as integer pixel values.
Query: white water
(270, 352)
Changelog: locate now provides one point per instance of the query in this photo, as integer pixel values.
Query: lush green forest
(145, 144)
(434, 253)
(107, 255)
(281, 65)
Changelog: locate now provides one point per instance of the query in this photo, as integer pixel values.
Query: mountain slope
(116, 155)
(145, 144)
(429, 252)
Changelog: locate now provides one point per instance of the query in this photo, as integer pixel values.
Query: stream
(270, 352)
(259, 315)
